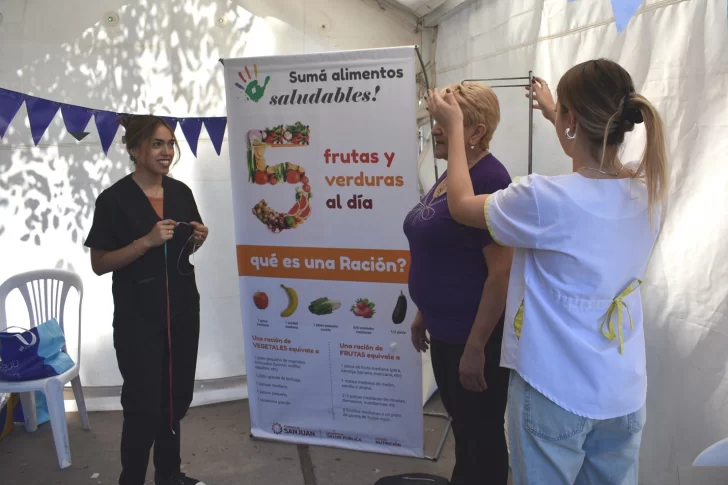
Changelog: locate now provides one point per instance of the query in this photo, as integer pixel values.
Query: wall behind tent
(675, 51)
(161, 57)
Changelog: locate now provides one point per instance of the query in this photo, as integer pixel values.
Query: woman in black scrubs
(145, 227)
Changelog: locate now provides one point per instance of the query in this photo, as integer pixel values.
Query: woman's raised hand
(444, 109)
(543, 99)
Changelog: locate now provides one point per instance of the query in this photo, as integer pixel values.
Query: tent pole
(432, 126)
(530, 122)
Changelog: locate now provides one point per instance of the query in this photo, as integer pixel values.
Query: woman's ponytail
(653, 169)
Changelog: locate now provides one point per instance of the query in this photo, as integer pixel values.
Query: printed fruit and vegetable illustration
(296, 134)
(324, 306)
(363, 308)
(260, 173)
(278, 221)
(285, 172)
(400, 309)
(260, 300)
(292, 301)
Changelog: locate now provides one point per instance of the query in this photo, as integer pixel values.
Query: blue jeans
(551, 446)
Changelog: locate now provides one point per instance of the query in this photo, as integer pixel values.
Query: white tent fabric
(160, 57)
(673, 48)
(675, 51)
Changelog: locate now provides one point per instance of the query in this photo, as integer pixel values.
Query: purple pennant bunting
(216, 129)
(10, 103)
(107, 126)
(171, 122)
(40, 114)
(624, 10)
(76, 120)
(191, 128)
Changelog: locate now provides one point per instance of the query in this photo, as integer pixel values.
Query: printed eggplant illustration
(400, 309)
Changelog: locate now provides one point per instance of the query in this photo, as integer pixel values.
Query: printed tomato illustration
(261, 178)
(260, 299)
(363, 308)
(293, 176)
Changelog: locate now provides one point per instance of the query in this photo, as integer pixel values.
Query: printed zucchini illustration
(400, 309)
(324, 306)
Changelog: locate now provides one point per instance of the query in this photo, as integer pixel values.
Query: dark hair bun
(124, 120)
(627, 125)
(633, 115)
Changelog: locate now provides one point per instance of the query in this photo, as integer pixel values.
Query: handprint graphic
(252, 88)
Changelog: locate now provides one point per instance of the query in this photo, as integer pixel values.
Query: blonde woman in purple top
(458, 280)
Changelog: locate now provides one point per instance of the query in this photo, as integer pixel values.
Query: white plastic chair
(45, 292)
(715, 455)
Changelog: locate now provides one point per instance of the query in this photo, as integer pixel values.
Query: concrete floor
(216, 448)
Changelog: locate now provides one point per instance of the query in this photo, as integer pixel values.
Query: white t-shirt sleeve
(512, 215)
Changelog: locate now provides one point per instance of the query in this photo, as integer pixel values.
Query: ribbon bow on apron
(617, 305)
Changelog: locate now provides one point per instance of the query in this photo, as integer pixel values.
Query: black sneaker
(179, 479)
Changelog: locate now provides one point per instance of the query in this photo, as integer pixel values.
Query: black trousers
(143, 358)
(481, 455)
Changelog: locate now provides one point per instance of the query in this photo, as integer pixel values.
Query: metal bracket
(444, 434)
(528, 78)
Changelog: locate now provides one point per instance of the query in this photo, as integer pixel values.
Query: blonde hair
(602, 96)
(480, 106)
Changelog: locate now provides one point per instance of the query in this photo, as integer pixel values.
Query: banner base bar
(444, 434)
(434, 457)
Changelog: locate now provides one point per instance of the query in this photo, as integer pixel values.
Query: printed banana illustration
(292, 301)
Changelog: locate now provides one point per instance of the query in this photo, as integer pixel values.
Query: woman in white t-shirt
(573, 336)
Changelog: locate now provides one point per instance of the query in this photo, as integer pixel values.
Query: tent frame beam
(443, 11)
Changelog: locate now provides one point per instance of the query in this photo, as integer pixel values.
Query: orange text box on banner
(364, 265)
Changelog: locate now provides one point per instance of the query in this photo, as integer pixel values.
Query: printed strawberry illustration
(363, 308)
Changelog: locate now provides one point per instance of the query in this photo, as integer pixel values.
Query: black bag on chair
(413, 479)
